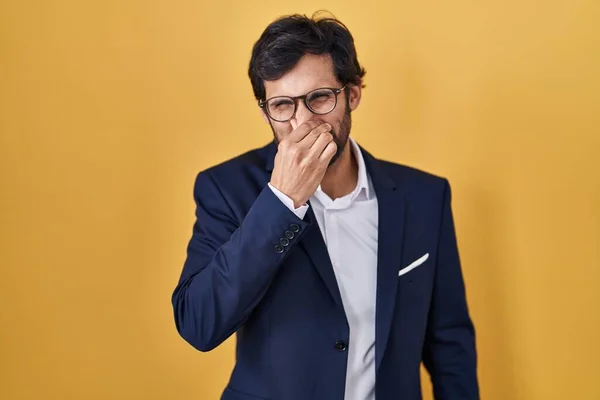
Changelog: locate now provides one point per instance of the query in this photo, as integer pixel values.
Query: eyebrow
(325, 86)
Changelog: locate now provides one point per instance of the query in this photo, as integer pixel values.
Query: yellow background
(108, 109)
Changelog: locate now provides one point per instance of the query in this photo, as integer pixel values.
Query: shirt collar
(363, 183)
(363, 179)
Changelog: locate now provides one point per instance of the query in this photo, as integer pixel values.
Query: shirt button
(340, 345)
(295, 228)
(284, 242)
(289, 235)
(279, 248)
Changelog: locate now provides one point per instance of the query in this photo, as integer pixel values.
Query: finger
(328, 152)
(317, 148)
(299, 133)
(310, 139)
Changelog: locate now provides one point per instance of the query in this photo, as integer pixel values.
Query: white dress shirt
(349, 227)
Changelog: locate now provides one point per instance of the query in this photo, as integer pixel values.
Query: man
(339, 272)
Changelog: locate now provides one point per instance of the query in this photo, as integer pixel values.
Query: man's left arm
(449, 352)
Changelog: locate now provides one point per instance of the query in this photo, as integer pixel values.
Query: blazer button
(289, 235)
(279, 248)
(340, 345)
(284, 242)
(295, 228)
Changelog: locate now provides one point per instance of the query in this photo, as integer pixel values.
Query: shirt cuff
(289, 203)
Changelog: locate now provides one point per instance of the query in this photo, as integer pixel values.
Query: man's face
(314, 72)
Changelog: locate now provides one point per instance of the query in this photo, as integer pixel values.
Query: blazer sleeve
(229, 265)
(449, 352)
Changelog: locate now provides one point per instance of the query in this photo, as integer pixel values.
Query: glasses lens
(321, 101)
(281, 108)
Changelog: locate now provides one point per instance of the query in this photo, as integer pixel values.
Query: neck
(341, 177)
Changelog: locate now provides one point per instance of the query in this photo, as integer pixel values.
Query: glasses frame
(336, 92)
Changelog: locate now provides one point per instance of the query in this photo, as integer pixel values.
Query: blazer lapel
(313, 244)
(392, 207)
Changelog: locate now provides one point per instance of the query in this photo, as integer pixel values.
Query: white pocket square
(413, 265)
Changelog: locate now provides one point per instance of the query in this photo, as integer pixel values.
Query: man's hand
(302, 159)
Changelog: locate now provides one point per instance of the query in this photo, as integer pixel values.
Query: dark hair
(288, 38)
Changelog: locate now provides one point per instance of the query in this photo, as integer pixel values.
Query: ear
(263, 113)
(355, 93)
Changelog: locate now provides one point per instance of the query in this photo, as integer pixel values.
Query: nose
(303, 114)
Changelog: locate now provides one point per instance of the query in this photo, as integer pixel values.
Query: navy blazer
(282, 300)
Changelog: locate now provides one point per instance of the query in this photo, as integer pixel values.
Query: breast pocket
(411, 270)
(415, 283)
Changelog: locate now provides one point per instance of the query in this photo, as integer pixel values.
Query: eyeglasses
(319, 101)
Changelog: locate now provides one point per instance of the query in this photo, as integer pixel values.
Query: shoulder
(413, 181)
(249, 161)
(243, 173)
(427, 195)
(252, 161)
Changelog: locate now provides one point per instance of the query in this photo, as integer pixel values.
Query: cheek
(334, 118)
(281, 129)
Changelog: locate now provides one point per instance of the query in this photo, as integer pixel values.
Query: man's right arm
(229, 267)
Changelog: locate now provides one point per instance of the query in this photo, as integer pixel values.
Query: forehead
(311, 72)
